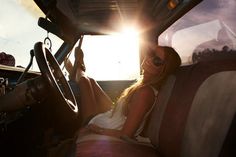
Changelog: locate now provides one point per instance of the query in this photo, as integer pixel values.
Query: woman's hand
(103, 131)
(96, 129)
(91, 128)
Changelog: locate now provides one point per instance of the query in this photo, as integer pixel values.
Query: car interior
(195, 110)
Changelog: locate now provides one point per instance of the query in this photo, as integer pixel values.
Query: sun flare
(112, 57)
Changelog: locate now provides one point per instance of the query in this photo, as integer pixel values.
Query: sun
(113, 57)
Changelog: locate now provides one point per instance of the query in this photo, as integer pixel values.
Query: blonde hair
(172, 62)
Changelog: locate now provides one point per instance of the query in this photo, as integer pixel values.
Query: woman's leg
(88, 104)
(93, 99)
(103, 100)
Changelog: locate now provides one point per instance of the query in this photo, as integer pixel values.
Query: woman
(128, 116)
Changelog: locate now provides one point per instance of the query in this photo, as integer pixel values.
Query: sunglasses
(157, 61)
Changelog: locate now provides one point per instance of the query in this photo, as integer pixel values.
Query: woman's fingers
(95, 128)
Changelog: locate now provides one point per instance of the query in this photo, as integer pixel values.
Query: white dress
(117, 119)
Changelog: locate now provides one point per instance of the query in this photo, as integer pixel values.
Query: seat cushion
(105, 148)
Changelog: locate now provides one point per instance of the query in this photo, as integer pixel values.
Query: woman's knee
(84, 80)
(92, 81)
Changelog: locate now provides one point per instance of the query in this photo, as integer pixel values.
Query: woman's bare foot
(80, 57)
(81, 67)
(80, 71)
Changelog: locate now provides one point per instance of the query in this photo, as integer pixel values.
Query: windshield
(210, 25)
(110, 57)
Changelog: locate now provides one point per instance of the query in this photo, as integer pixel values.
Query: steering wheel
(53, 75)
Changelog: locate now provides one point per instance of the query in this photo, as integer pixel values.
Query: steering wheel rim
(53, 75)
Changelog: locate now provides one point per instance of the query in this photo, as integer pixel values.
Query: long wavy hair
(172, 62)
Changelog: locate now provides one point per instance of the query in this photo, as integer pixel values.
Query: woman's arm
(141, 103)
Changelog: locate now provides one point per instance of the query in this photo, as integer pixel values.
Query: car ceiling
(69, 19)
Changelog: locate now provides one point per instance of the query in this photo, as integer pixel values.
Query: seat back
(154, 123)
(194, 110)
(210, 116)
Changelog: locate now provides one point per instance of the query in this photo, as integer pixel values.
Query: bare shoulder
(145, 90)
(145, 93)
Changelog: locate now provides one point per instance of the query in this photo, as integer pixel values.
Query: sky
(18, 30)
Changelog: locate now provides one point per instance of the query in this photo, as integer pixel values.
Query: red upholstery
(104, 148)
(188, 80)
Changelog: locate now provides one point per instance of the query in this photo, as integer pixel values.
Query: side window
(210, 26)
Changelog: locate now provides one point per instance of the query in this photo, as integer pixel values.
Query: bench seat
(192, 117)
